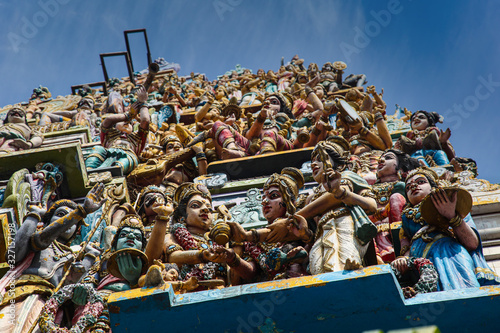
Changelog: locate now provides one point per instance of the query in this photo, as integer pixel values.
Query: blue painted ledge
(349, 301)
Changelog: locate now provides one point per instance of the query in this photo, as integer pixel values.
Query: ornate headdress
(127, 221)
(336, 147)
(187, 190)
(168, 138)
(425, 171)
(289, 182)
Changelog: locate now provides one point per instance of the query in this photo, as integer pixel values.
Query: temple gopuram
(291, 199)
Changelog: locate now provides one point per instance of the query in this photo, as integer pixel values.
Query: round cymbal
(431, 215)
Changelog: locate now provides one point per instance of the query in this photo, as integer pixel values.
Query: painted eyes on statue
(418, 181)
(274, 101)
(198, 204)
(137, 235)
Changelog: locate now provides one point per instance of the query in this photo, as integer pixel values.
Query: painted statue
(16, 135)
(41, 256)
(455, 247)
(120, 145)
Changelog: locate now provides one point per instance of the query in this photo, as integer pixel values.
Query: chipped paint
(134, 293)
(309, 281)
(269, 327)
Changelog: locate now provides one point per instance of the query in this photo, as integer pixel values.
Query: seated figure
(16, 135)
(455, 248)
(120, 145)
(425, 141)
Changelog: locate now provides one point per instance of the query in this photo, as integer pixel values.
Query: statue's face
(129, 238)
(317, 168)
(219, 93)
(273, 104)
(387, 165)
(172, 147)
(417, 188)
(86, 103)
(419, 122)
(273, 206)
(319, 92)
(199, 213)
(171, 275)
(59, 213)
(16, 116)
(149, 201)
(327, 68)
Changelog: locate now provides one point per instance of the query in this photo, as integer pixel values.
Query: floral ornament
(91, 312)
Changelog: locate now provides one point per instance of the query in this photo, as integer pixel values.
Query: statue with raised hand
(42, 254)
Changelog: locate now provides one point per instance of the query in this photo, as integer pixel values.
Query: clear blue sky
(433, 55)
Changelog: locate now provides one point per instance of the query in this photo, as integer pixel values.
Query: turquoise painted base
(349, 301)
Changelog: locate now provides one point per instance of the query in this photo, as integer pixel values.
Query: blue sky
(436, 56)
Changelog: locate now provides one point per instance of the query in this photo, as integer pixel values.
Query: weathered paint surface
(350, 301)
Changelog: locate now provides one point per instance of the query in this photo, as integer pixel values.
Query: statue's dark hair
(432, 117)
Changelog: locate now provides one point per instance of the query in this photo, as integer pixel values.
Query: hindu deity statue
(120, 145)
(41, 254)
(339, 206)
(181, 236)
(425, 141)
(16, 135)
(389, 193)
(437, 226)
(270, 252)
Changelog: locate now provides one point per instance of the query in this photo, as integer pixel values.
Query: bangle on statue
(162, 218)
(363, 131)
(456, 221)
(201, 156)
(255, 236)
(235, 262)
(342, 196)
(201, 257)
(316, 131)
(81, 211)
(378, 116)
(35, 215)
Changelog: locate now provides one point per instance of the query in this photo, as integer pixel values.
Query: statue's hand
(163, 209)
(445, 205)
(94, 200)
(34, 208)
(130, 267)
(298, 226)
(142, 94)
(190, 284)
(444, 136)
(79, 295)
(20, 143)
(278, 232)
(332, 182)
(239, 234)
(92, 249)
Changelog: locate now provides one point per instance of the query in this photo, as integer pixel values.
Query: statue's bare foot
(227, 154)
